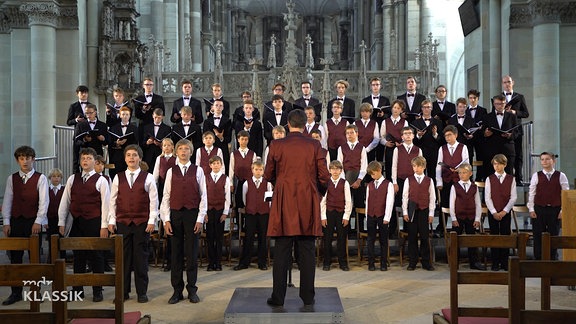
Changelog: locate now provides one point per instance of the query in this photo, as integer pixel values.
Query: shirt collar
(28, 175)
(90, 173)
(184, 165)
(136, 172)
(256, 179)
(53, 186)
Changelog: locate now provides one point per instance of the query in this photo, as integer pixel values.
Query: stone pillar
(376, 59)
(195, 36)
(387, 16)
(495, 31)
(43, 18)
(184, 29)
(157, 15)
(401, 32)
(546, 82)
(92, 18)
(172, 34)
(82, 49)
(6, 157)
(206, 36)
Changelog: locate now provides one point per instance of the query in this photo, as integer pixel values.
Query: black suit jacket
(74, 111)
(194, 134)
(416, 105)
(428, 144)
(496, 144)
(462, 129)
(194, 103)
(382, 102)
(313, 102)
(256, 142)
(269, 122)
(481, 112)
(113, 114)
(208, 105)
(348, 109)
(287, 107)
(117, 130)
(226, 127)
(518, 104)
(238, 115)
(145, 116)
(444, 114)
(151, 151)
(99, 129)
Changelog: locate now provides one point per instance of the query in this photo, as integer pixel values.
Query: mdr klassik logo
(48, 294)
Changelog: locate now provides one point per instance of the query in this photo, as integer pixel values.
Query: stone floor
(395, 296)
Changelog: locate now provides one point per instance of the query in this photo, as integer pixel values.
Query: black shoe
(344, 268)
(428, 267)
(263, 267)
(240, 267)
(142, 299)
(326, 268)
(411, 268)
(97, 297)
(12, 299)
(371, 267)
(126, 296)
(271, 302)
(504, 266)
(218, 267)
(383, 267)
(495, 267)
(176, 297)
(167, 268)
(194, 298)
(478, 266)
(210, 267)
(107, 267)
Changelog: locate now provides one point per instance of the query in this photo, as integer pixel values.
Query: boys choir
(391, 154)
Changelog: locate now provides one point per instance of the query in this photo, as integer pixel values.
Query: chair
(556, 273)
(519, 210)
(30, 244)
(115, 279)
(444, 216)
(159, 242)
(459, 277)
(553, 242)
(19, 274)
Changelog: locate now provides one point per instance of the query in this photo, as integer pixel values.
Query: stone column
(387, 16)
(376, 59)
(92, 18)
(184, 29)
(546, 81)
(401, 34)
(43, 18)
(206, 36)
(495, 31)
(6, 157)
(195, 35)
(157, 15)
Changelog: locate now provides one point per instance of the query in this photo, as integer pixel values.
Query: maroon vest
(54, 202)
(404, 165)
(306, 133)
(25, 199)
(205, 158)
(132, 204)
(243, 165)
(500, 192)
(394, 131)
(419, 191)
(365, 134)
(451, 161)
(335, 196)
(255, 203)
(377, 199)
(215, 191)
(548, 192)
(351, 158)
(336, 133)
(85, 200)
(185, 190)
(165, 165)
(465, 204)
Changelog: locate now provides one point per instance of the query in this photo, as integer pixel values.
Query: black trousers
(256, 223)
(419, 227)
(82, 227)
(184, 243)
(333, 154)
(334, 222)
(546, 221)
(53, 230)
(445, 203)
(388, 154)
(283, 262)
(467, 226)
(519, 159)
(136, 253)
(501, 227)
(214, 237)
(376, 224)
(19, 227)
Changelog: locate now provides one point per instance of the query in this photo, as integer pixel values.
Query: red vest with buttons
(500, 192)
(215, 191)
(419, 192)
(25, 199)
(132, 204)
(335, 198)
(205, 157)
(184, 190)
(404, 165)
(365, 134)
(465, 204)
(243, 165)
(377, 199)
(85, 200)
(336, 133)
(166, 164)
(394, 131)
(451, 161)
(54, 202)
(255, 203)
(351, 158)
(548, 192)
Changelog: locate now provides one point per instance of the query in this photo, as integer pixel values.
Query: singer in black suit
(151, 140)
(89, 133)
(145, 103)
(221, 126)
(477, 113)
(377, 101)
(500, 138)
(269, 121)
(76, 110)
(116, 145)
(238, 114)
(464, 123)
(253, 126)
(307, 100)
(516, 104)
(412, 99)
(191, 102)
(442, 109)
(428, 137)
(348, 105)
(186, 129)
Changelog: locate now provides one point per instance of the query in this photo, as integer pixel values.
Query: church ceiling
(304, 7)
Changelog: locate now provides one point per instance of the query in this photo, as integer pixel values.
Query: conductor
(297, 166)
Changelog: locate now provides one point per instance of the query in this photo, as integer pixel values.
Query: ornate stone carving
(13, 18)
(41, 13)
(68, 18)
(520, 16)
(545, 11)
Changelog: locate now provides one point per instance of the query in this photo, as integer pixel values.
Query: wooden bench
(553, 242)
(558, 273)
(19, 274)
(466, 277)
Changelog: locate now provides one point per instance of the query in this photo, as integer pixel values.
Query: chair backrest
(360, 220)
(560, 273)
(30, 244)
(457, 277)
(31, 275)
(115, 279)
(553, 242)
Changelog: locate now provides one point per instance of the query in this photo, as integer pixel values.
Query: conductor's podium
(248, 305)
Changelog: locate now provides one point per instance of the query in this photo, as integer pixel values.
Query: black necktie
(278, 114)
(216, 118)
(123, 126)
(186, 98)
(508, 93)
(148, 96)
(93, 123)
(186, 124)
(410, 95)
(461, 117)
(499, 114)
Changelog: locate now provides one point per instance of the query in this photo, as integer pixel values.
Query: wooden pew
(115, 279)
(470, 277)
(17, 274)
(559, 273)
(30, 244)
(553, 242)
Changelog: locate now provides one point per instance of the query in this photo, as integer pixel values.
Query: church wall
(567, 102)
(69, 61)
(6, 157)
